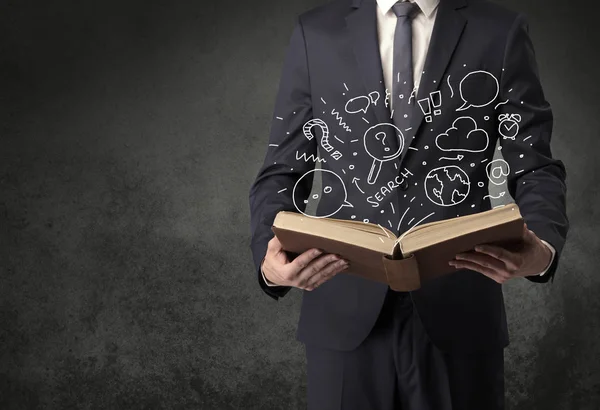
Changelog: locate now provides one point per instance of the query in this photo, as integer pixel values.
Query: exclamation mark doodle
(426, 108)
(436, 101)
(426, 105)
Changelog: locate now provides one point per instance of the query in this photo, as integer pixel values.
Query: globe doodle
(447, 186)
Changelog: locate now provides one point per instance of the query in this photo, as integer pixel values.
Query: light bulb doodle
(332, 198)
(377, 142)
(374, 96)
(317, 122)
(497, 171)
(509, 125)
(473, 91)
(451, 140)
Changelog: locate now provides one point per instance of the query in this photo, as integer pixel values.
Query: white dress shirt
(422, 27)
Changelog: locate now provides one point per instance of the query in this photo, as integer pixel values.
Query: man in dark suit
(401, 106)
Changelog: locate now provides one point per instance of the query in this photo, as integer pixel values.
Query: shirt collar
(427, 6)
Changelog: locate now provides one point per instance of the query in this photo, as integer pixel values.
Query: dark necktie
(402, 84)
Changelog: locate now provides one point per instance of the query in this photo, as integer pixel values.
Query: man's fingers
(305, 271)
(314, 267)
(485, 260)
(498, 276)
(326, 273)
(274, 244)
(510, 259)
(274, 248)
(303, 260)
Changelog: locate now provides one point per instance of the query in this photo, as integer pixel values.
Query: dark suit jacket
(480, 53)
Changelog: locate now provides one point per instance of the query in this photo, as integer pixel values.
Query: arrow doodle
(355, 182)
(457, 158)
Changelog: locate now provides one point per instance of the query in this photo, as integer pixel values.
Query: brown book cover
(406, 263)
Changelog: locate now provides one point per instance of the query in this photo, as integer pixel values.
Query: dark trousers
(397, 367)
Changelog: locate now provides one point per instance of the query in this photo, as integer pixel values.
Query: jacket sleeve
(536, 180)
(288, 155)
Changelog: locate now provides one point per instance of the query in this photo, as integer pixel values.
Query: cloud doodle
(464, 136)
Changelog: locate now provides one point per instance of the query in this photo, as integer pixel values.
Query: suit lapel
(362, 27)
(447, 29)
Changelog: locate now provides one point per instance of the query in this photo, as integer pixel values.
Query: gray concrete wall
(130, 132)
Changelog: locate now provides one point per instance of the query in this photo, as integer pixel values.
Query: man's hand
(307, 271)
(501, 264)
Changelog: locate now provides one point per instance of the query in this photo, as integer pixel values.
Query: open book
(404, 263)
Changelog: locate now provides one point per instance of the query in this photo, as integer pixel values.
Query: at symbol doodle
(380, 142)
(497, 171)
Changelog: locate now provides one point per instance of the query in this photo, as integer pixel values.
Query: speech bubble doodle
(379, 141)
(358, 104)
(471, 89)
(332, 197)
(451, 140)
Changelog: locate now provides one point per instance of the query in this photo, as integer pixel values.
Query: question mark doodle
(317, 122)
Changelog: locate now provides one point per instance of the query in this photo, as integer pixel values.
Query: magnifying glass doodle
(383, 142)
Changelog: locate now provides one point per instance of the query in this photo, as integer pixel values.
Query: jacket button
(404, 184)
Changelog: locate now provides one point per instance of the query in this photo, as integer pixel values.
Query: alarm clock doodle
(509, 125)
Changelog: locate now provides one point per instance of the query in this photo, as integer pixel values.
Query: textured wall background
(130, 132)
